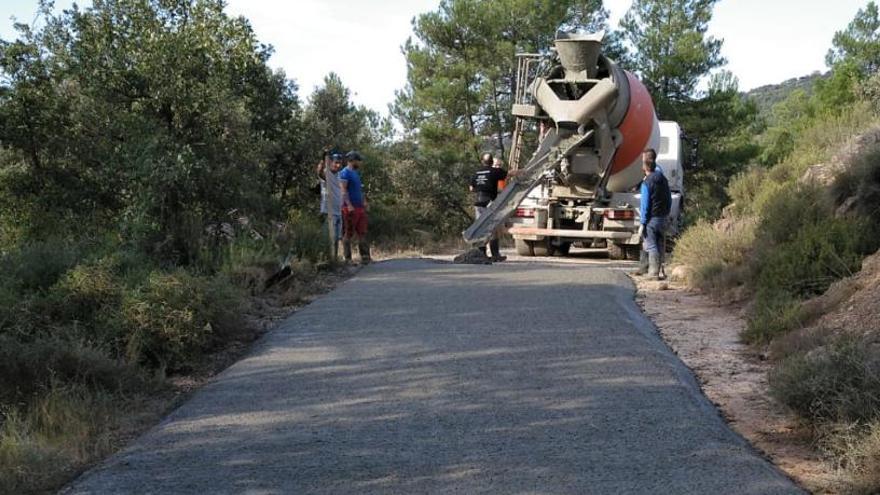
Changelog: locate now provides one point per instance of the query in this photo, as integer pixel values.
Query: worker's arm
(346, 203)
(645, 205)
(343, 184)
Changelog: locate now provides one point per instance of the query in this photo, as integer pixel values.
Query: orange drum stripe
(636, 126)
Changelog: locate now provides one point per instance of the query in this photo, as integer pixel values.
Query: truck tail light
(525, 212)
(620, 214)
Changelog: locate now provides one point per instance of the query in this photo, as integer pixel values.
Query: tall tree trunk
(499, 130)
(470, 115)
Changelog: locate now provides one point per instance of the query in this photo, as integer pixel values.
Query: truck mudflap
(570, 233)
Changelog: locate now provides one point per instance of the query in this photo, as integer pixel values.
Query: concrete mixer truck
(581, 186)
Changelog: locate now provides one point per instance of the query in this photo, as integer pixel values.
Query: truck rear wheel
(523, 248)
(616, 252)
(633, 253)
(542, 248)
(563, 249)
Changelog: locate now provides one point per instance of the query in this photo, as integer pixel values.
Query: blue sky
(765, 41)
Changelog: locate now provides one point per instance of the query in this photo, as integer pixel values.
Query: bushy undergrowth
(798, 242)
(305, 238)
(62, 428)
(713, 255)
(833, 381)
(83, 332)
(397, 226)
(837, 382)
(795, 266)
(174, 318)
(805, 236)
(859, 185)
(857, 450)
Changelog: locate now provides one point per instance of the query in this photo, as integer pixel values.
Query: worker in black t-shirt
(484, 185)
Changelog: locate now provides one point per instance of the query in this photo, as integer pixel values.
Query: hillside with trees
(768, 96)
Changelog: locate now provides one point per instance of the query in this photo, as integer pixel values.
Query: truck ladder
(526, 63)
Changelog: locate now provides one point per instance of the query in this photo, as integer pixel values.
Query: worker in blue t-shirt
(354, 208)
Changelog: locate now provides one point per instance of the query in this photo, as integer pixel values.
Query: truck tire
(616, 252)
(563, 249)
(523, 248)
(542, 247)
(633, 253)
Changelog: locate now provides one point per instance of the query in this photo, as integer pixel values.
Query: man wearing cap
(354, 213)
(484, 184)
(330, 184)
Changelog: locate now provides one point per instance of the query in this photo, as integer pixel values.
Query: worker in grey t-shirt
(331, 185)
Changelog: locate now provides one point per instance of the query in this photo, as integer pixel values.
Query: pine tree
(671, 50)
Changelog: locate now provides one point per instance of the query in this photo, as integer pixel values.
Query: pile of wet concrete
(474, 256)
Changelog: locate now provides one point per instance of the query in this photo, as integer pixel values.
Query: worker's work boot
(346, 250)
(654, 266)
(364, 251)
(643, 264)
(495, 249)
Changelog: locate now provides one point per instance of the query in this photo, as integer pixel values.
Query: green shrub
(743, 189)
(793, 266)
(839, 382)
(767, 193)
(249, 262)
(869, 92)
(84, 291)
(861, 183)
(395, 226)
(173, 318)
(306, 238)
(790, 207)
(771, 315)
(826, 133)
(38, 265)
(806, 262)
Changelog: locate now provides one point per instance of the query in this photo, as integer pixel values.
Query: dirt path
(705, 335)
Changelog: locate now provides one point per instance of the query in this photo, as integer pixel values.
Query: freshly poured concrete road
(420, 377)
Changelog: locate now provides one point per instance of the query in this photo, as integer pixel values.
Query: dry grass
(715, 254)
(65, 429)
(856, 449)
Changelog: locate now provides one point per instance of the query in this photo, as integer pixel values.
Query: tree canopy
(153, 118)
(670, 49)
(859, 43)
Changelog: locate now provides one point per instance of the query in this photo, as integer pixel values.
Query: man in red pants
(354, 213)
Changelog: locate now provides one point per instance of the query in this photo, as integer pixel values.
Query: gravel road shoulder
(705, 335)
